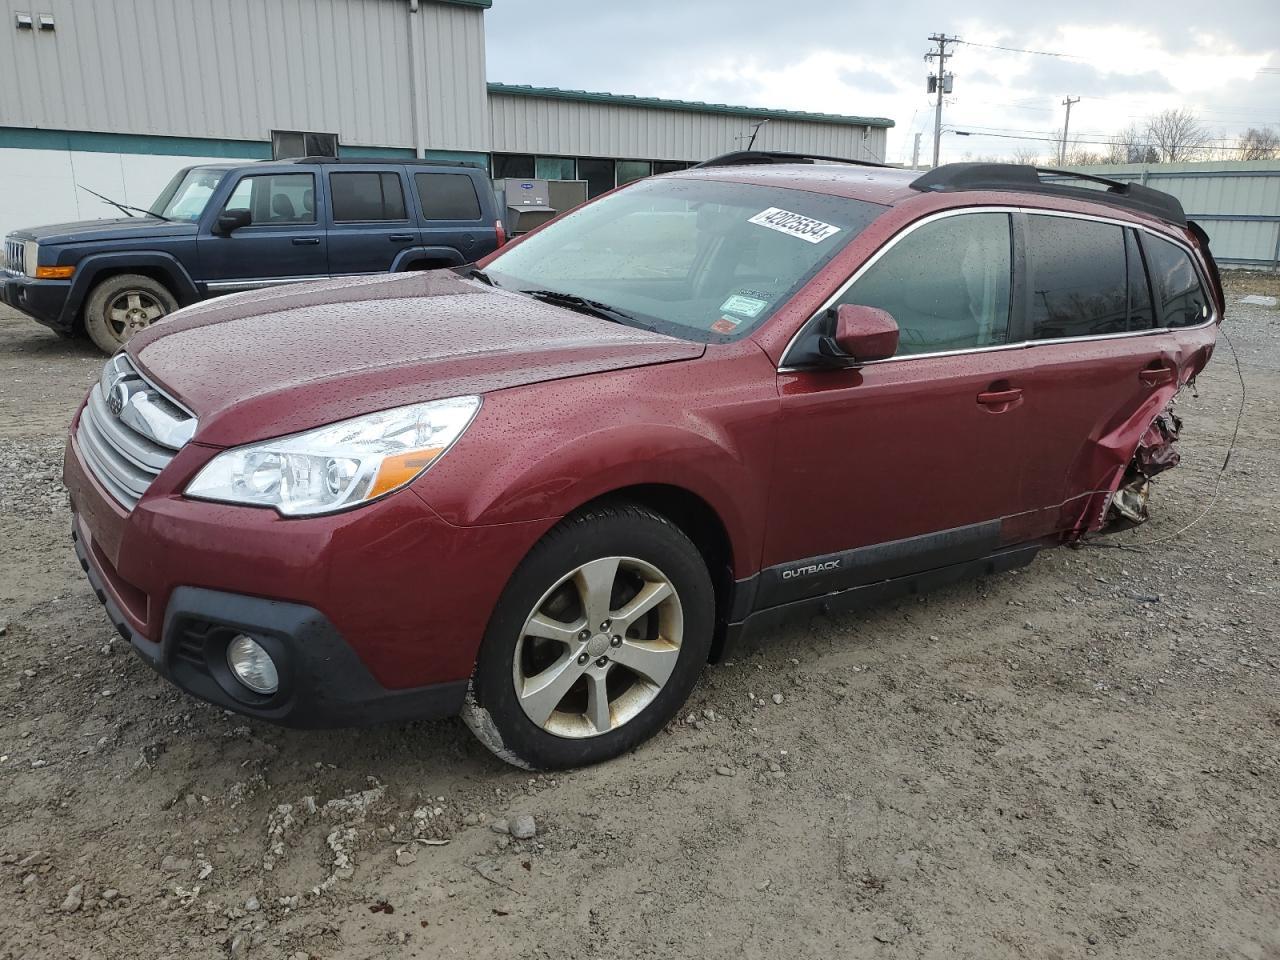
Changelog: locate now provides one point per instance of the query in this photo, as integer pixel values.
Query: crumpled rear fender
(1142, 440)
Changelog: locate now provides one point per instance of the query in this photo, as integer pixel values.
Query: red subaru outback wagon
(544, 492)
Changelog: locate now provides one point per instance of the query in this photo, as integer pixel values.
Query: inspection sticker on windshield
(795, 225)
(746, 306)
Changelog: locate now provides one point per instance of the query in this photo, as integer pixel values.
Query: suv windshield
(699, 259)
(187, 194)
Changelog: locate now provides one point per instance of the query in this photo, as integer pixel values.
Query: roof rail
(743, 158)
(411, 161)
(1022, 178)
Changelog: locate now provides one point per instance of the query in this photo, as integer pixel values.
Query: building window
(631, 170)
(669, 166)
(556, 168)
(513, 166)
(293, 144)
(448, 196)
(599, 175)
(367, 196)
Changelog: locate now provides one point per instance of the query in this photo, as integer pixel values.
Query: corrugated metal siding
(457, 100)
(236, 69)
(524, 124)
(1237, 202)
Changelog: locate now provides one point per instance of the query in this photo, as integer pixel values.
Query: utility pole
(942, 84)
(1066, 126)
(915, 154)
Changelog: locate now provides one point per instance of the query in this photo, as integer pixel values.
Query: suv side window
(1141, 315)
(447, 196)
(1180, 298)
(367, 197)
(947, 283)
(1079, 278)
(276, 198)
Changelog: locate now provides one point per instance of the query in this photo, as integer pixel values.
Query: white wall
(40, 185)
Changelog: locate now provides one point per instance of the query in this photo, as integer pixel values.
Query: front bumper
(377, 612)
(45, 301)
(322, 681)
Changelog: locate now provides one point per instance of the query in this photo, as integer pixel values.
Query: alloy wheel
(131, 311)
(598, 648)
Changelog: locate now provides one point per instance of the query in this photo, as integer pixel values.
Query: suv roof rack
(742, 158)
(1027, 179)
(410, 161)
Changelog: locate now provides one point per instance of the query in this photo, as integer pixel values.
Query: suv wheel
(596, 642)
(120, 306)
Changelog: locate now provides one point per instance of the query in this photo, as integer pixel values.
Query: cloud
(868, 80)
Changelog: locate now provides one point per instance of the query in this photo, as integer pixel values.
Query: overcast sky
(1125, 60)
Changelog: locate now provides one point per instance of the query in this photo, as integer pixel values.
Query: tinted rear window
(448, 196)
(367, 196)
(1180, 297)
(1079, 278)
(1141, 314)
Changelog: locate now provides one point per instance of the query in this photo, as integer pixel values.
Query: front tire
(120, 306)
(596, 642)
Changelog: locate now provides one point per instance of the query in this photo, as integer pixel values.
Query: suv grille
(129, 431)
(14, 256)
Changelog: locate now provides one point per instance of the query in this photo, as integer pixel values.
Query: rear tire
(120, 306)
(595, 644)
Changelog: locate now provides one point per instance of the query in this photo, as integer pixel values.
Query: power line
(1042, 53)
(1093, 143)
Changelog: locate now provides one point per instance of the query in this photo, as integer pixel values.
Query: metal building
(115, 95)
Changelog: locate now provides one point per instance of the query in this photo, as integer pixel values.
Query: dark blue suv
(219, 228)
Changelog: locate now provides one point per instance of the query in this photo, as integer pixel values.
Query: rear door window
(367, 197)
(947, 283)
(448, 196)
(1141, 313)
(1079, 278)
(1181, 300)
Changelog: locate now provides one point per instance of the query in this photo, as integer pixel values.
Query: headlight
(337, 466)
(30, 257)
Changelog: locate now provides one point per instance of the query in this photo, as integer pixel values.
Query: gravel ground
(1078, 759)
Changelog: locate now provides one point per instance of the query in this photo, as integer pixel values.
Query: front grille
(14, 256)
(129, 431)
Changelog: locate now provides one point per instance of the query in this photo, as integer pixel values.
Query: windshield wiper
(124, 207)
(592, 308)
(483, 277)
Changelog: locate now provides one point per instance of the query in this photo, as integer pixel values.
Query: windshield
(699, 259)
(187, 194)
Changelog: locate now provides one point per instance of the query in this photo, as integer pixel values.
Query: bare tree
(1177, 135)
(1258, 144)
(1026, 155)
(1130, 145)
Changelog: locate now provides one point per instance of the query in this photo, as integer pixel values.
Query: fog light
(252, 665)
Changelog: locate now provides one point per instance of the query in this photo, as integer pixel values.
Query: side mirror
(230, 221)
(862, 334)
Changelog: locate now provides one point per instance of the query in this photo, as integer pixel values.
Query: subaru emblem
(118, 398)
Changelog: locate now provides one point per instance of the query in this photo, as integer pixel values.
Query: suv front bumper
(45, 301)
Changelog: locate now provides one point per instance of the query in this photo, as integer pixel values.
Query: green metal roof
(689, 106)
(469, 3)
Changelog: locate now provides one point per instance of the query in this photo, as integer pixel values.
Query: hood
(258, 365)
(122, 228)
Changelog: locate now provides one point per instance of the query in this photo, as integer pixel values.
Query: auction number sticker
(795, 225)
(747, 306)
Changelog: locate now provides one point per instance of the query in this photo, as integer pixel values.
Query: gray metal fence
(1237, 202)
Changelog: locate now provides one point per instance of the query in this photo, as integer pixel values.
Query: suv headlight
(339, 465)
(30, 257)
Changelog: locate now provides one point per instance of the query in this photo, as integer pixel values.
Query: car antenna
(123, 207)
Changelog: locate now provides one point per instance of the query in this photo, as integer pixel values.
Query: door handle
(306, 241)
(1000, 398)
(401, 238)
(1154, 376)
